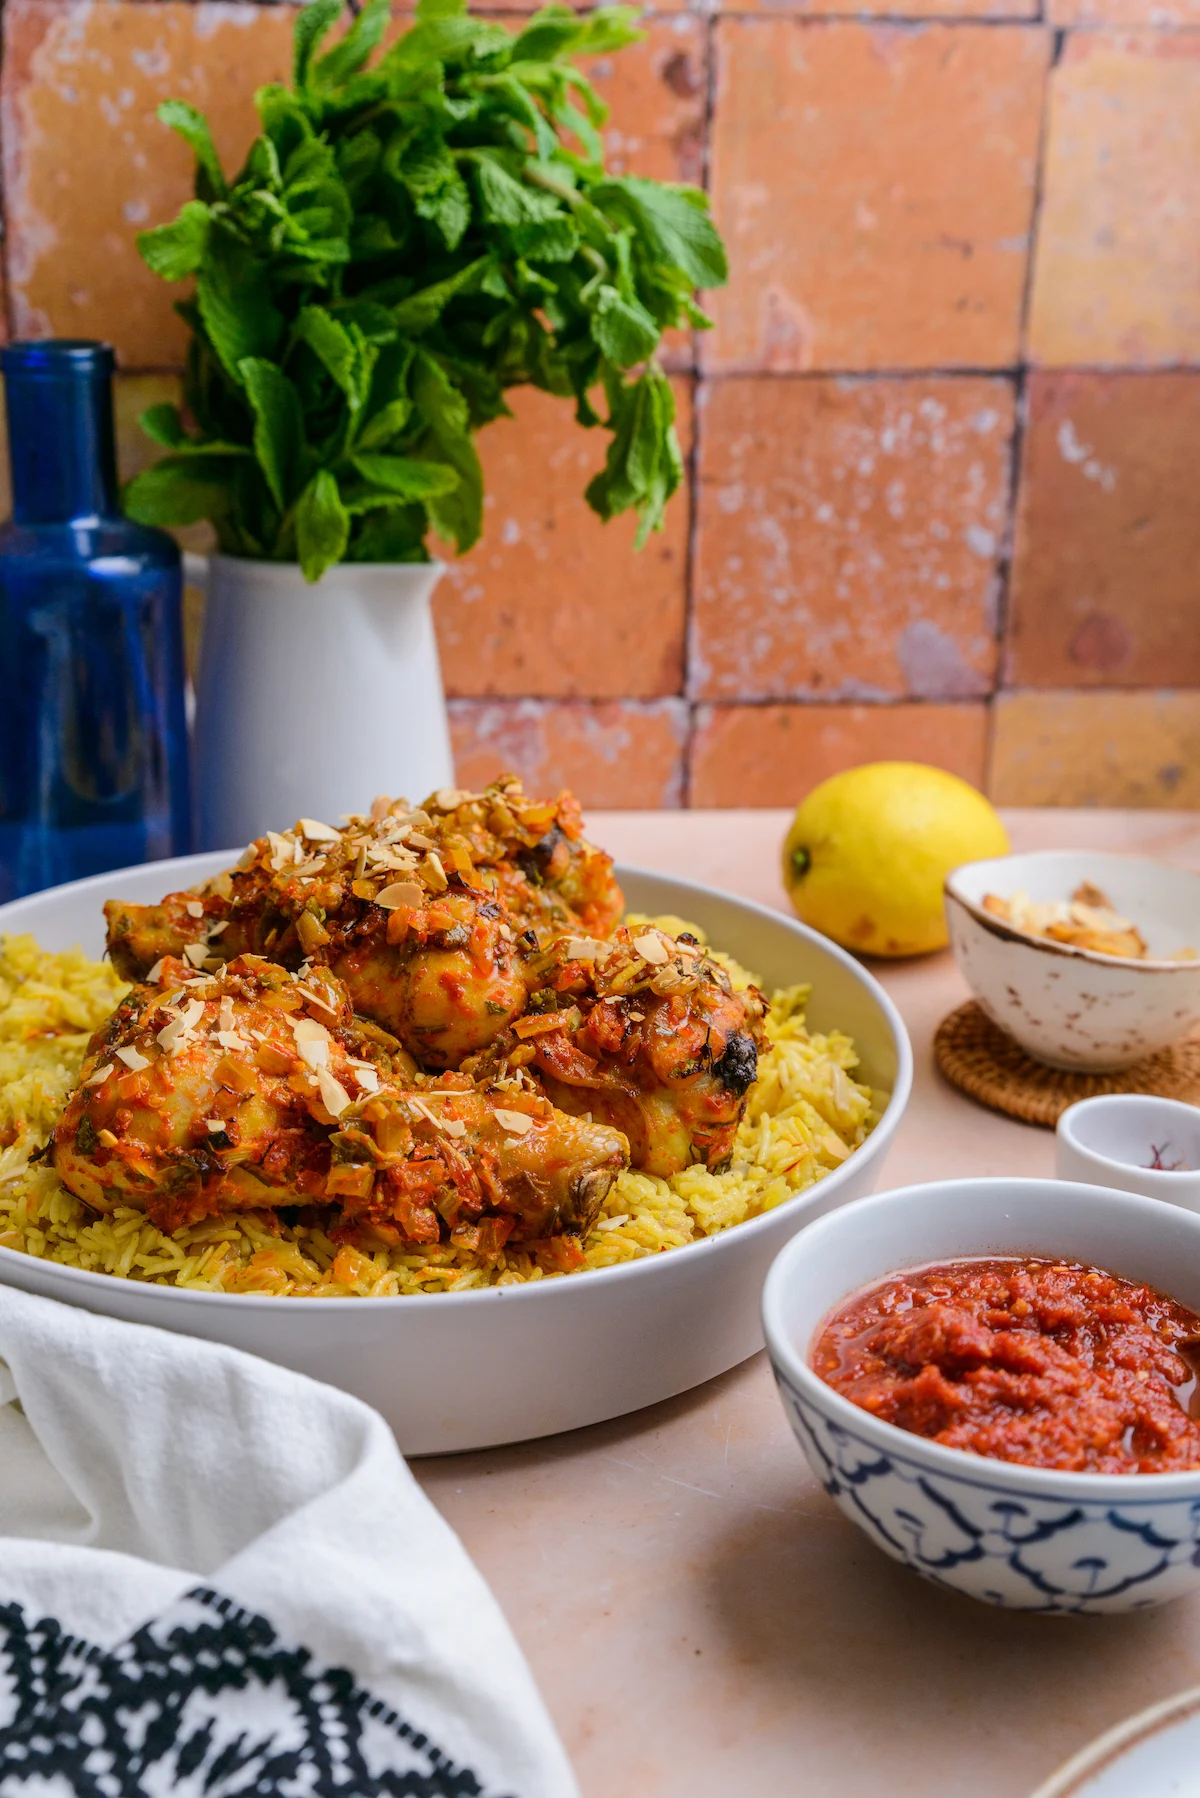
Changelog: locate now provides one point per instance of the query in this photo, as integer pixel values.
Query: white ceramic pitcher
(311, 699)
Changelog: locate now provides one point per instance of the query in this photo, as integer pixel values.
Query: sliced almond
(312, 1041)
(281, 850)
(194, 909)
(155, 974)
(316, 832)
(214, 1125)
(214, 930)
(195, 953)
(401, 892)
(133, 1059)
(173, 1035)
(652, 949)
(433, 873)
(518, 1122)
(334, 1096)
(367, 1076)
(451, 1126)
(584, 948)
(448, 799)
(229, 1039)
(100, 1076)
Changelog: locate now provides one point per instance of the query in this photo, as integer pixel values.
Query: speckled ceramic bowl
(1026, 1538)
(1073, 1008)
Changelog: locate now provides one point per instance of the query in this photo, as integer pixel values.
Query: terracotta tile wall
(944, 442)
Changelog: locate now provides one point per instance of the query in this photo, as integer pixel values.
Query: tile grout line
(694, 454)
(1004, 567)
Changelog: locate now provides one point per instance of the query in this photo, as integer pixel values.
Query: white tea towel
(218, 1577)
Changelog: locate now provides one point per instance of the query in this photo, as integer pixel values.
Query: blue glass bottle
(93, 737)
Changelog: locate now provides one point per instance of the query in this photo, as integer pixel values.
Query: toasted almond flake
(360, 866)
(108, 1139)
(584, 948)
(248, 857)
(173, 1035)
(194, 909)
(225, 1013)
(195, 953)
(312, 1041)
(367, 1077)
(155, 974)
(451, 1126)
(334, 1096)
(448, 799)
(100, 1076)
(214, 930)
(637, 1017)
(652, 949)
(516, 1121)
(281, 850)
(401, 892)
(230, 1039)
(316, 832)
(381, 805)
(133, 1059)
(504, 931)
(312, 995)
(613, 1223)
(419, 840)
(214, 1125)
(433, 873)
(540, 1023)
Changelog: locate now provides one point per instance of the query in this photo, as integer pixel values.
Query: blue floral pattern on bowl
(979, 1537)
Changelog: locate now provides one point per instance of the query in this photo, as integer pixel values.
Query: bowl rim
(1068, 1781)
(1166, 1177)
(792, 1368)
(1150, 964)
(871, 1150)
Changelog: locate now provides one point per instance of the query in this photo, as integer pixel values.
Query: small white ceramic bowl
(1111, 1140)
(1027, 1538)
(1072, 1008)
(465, 1370)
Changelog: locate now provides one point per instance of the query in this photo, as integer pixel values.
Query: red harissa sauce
(1049, 1364)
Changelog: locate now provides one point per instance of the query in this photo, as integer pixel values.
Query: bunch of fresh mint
(407, 239)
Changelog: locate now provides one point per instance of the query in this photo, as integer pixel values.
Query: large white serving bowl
(1027, 1538)
(1073, 1008)
(456, 1371)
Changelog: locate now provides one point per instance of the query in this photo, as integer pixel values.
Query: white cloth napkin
(218, 1577)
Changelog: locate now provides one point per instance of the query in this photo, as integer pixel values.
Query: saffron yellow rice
(806, 1113)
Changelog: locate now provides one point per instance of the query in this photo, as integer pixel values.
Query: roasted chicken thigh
(257, 1088)
(647, 1033)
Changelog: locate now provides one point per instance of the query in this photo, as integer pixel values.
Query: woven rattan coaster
(983, 1061)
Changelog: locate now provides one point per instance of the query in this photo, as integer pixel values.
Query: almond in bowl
(1082, 957)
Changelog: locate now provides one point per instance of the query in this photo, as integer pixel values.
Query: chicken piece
(647, 1034)
(423, 952)
(256, 1089)
(206, 1094)
(483, 1167)
(534, 851)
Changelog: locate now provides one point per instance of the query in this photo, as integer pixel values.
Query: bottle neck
(60, 435)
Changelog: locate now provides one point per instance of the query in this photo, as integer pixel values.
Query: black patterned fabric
(204, 1701)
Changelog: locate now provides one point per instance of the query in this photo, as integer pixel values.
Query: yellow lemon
(869, 849)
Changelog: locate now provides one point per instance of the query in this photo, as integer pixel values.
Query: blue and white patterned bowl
(1027, 1538)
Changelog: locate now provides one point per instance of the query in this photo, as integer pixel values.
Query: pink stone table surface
(702, 1620)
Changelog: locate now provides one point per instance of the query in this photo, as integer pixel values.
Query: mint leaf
(322, 526)
(313, 22)
(234, 297)
(176, 492)
(176, 250)
(387, 423)
(364, 35)
(404, 475)
(279, 444)
(424, 309)
(623, 329)
(162, 424)
(192, 127)
(675, 223)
